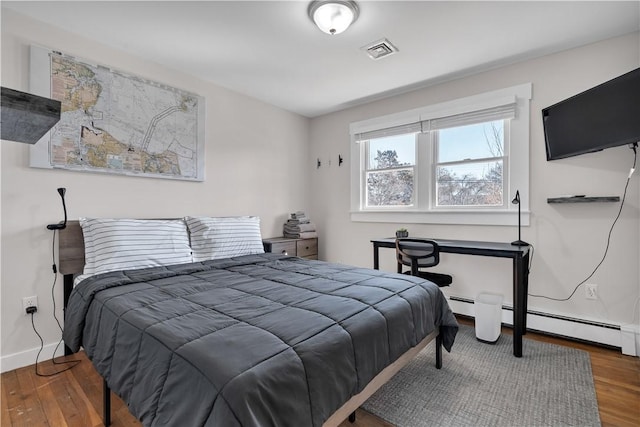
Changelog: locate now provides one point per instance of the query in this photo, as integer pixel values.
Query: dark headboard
(71, 249)
(70, 258)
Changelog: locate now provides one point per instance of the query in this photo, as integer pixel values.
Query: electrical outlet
(29, 302)
(591, 291)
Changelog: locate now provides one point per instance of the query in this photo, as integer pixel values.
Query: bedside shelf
(575, 199)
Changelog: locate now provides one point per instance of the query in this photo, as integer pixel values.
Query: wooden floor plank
(70, 404)
(93, 417)
(50, 403)
(32, 413)
(74, 398)
(5, 388)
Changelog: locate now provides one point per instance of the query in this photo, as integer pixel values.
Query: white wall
(569, 240)
(259, 169)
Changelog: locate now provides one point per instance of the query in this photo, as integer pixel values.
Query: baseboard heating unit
(625, 339)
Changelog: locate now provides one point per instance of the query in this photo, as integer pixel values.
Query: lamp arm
(62, 224)
(64, 205)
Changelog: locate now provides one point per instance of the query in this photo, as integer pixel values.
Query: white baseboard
(625, 338)
(28, 357)
(630, 337)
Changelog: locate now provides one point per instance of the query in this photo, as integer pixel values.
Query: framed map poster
(114, 122)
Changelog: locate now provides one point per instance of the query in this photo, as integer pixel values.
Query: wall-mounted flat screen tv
(605, 116)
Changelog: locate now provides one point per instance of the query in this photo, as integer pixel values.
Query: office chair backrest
(417, 253)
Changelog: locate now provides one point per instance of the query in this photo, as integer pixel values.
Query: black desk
(520, 256)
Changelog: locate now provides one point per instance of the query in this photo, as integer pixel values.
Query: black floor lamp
(519, 242)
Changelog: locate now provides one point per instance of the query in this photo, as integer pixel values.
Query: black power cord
(634, 147)
(32, 310)
(38, 373)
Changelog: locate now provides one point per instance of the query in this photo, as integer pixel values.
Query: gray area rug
(484, 385)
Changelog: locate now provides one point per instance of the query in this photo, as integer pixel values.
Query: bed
(249, 339)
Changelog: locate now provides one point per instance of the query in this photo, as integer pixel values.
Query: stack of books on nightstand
(299, 227)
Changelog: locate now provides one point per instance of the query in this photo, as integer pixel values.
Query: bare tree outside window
(390, 184)
(472, 177)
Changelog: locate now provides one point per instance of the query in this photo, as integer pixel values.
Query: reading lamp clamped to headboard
(62, 224)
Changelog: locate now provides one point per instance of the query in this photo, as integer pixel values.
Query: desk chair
(418, 254)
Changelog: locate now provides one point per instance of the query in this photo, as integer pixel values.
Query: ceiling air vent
(380, 49)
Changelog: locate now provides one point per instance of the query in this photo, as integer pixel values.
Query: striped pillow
(214, 238)
(125, 244)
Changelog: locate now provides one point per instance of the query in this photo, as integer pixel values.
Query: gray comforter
(259, 340)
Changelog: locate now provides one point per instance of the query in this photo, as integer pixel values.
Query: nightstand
(303, 248)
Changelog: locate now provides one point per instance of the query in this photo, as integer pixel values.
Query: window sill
(467, 217)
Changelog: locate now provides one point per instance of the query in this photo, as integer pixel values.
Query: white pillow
(224, 237)
(124, 244)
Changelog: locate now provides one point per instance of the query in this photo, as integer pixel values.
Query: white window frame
(516, 158)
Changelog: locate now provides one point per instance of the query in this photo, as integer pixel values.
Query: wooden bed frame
(71, 263)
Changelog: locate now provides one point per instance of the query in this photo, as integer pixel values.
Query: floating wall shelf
(26, 117)
(582, 199)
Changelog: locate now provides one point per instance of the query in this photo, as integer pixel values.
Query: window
(390, 171)
(448, 163)
(470, 164)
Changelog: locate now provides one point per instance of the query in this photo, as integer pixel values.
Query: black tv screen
(607, 115)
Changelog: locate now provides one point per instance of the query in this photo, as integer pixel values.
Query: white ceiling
(270, 50)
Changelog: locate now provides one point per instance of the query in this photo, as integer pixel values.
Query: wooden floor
(74, 398)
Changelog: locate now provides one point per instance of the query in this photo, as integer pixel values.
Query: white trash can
(488, 308)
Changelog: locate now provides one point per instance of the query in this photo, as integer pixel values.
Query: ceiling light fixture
(333, 16)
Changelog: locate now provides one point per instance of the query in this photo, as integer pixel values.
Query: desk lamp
(516, 201)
